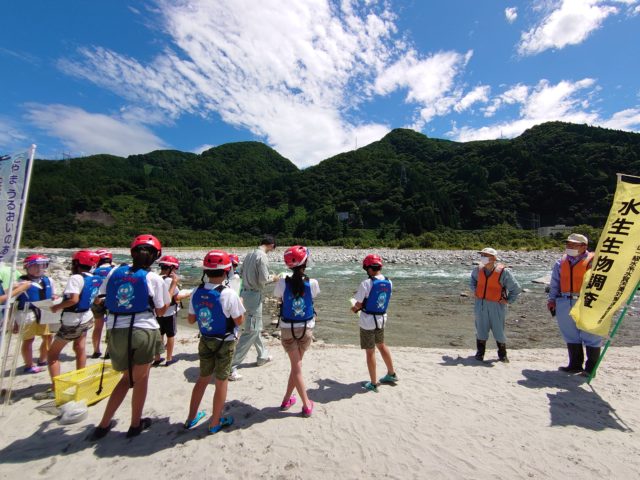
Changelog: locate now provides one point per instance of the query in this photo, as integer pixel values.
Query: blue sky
(310, 78)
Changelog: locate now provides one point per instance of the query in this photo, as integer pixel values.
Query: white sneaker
(262, 361)
(234, 375)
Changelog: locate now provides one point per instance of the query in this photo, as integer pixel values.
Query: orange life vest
(571, 275)
(488, 287)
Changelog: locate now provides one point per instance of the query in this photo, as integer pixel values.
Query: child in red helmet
(219, 312)
(41, 288)
(296, 292)
(134, 297)
(76, 319)
(372, 300)
(168, 322)
(105, 265)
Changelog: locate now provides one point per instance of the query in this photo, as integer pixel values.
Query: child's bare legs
(386, 357)
(45, 345)
(141, 380)
(170, 343)
(27, 352)
(97, 333)
(196, 396)
(371, 364)
(80, 349)
(295, 378)
(158, 356)
(219, 397)
(53, 358)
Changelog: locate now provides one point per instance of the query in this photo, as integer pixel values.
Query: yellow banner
(615, 270)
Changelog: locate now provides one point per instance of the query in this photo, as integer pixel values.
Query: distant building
(548, 231)
(343, 216)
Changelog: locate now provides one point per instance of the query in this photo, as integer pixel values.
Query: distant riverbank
(431, 306)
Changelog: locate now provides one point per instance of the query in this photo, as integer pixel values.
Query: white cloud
(289, 75)
(92, 133)
(430, 82)
(628, 119)
(478, 94)
(511, 14)
(11, 137)
(202, 148)
(293, 76)
(542, 103)
(568, 24)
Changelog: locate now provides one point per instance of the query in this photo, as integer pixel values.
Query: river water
(431, 305)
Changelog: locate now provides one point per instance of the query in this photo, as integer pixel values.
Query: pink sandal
(287, 405)
(306, 412)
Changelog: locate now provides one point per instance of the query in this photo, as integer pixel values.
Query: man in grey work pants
(255, 275)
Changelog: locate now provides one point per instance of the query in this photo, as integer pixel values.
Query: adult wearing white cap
(494, 287)
(566, 281)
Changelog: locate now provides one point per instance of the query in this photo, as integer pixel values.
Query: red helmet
(104, 254)
(86, 257)
(169, 261)
(372, 260)
(296, 256)
(36, 259)
(217, 260)
(235, 260)
(147, 239)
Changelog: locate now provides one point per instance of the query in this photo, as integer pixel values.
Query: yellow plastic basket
(83, 384)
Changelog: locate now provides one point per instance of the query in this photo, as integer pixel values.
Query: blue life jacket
(1, 288)
(297, 309)
(209, 314)
(102, 272)
(87, 295)
(379, 295)
(34, 294)
(127, 291)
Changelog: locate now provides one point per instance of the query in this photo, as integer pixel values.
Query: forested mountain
(404, 185)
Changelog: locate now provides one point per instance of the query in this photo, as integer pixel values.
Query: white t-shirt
(367, 322)
(173, 309)
(230, 303)
(278, 292)
(75, 284)
(158, 291)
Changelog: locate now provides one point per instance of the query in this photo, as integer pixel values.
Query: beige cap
(489, 251)
(577, 238)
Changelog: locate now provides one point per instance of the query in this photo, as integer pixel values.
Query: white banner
(13, 194)
(15, 173)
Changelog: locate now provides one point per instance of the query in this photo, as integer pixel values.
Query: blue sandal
(192, 423)
(224, 422)
(372, 387)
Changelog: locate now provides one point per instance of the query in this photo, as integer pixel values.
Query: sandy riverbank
(448, 417)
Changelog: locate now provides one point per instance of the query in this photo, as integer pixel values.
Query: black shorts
(167, 325)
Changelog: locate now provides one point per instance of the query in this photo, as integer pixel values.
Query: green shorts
(370, 338)
(144, 344)
(212, 362)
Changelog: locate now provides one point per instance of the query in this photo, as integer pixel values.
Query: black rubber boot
(576, 358)
(593, 353)
(480, 345)
(502, 352)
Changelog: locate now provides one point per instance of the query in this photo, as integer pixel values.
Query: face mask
(572, 252)
(484, 260)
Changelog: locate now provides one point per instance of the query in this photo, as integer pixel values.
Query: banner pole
(613, 333)
(16, 244)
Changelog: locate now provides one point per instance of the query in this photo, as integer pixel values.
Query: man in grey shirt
(255, 275)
